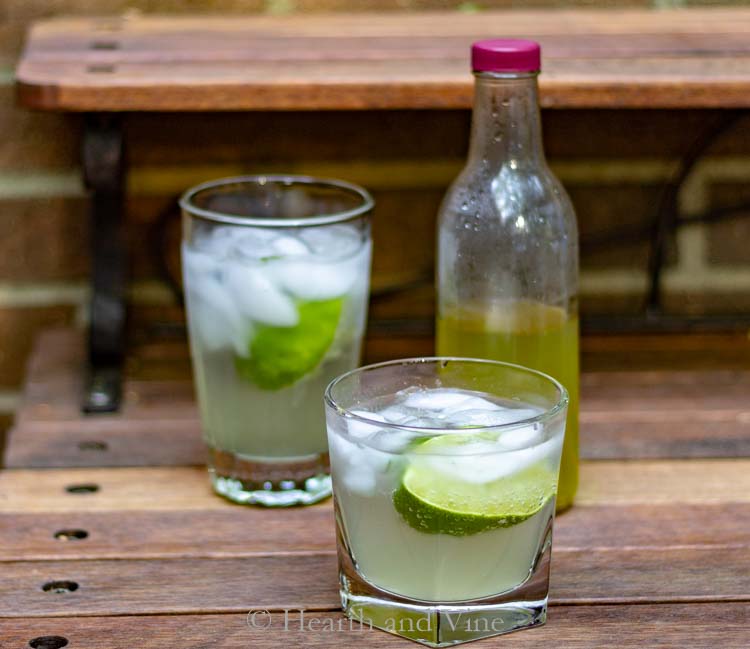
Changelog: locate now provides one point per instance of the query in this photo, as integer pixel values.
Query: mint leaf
(280, 356)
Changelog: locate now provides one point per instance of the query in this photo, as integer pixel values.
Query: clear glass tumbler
(276, 275)
(445, 476)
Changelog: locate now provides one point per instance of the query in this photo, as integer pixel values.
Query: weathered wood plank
(605, 435)
(132, 587)
(620, 83)
(612, 435)
(653, 482)
(641, 482)
(225, 532)
(671, 626)
(237, 532)
(624, 414)
(592, 59)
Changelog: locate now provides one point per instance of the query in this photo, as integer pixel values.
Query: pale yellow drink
(535, 335)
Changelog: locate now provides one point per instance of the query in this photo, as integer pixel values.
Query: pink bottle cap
(506, 55)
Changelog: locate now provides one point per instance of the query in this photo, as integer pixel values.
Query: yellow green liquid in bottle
(532, 334)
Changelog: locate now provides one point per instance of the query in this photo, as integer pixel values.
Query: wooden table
(107, 67)
(656, 551)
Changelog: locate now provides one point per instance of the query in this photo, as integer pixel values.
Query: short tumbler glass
(276, 275)
(444, 477)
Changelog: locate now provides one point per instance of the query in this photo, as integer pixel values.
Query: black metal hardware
(668, 215)
(104, 173)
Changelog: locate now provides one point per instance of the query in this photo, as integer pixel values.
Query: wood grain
(641, 482)
(606, 435)
(653, 482)
(602, 59)
(666, 413)
(299, 580)
(668, 626)
(240, 532)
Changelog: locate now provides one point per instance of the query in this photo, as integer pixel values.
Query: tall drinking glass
(276, 275)
(444, 476)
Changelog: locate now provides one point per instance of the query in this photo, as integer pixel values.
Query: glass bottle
(508, 242)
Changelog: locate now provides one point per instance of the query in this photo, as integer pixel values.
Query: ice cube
(196, 264)
(447, 401)
(334, 241)
(357, 466)
(312, 280)
(487, 461)
(521, 437)
(397, 415)
(360, 482)
(218, 242)
(360, 429)
(253, 244)
(340, 448)
(216, 318)
(393, 441)
(287, 246)
(258, 298)
(496, 416)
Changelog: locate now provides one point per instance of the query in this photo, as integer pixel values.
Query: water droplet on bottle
(464, 206)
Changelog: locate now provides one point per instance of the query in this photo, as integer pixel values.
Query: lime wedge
(280, 356)
(437, 503)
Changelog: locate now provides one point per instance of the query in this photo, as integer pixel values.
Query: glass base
(438, 624)
(443, 625)
(282, 483)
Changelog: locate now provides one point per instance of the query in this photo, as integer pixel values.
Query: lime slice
(434, 502)
(280, 356)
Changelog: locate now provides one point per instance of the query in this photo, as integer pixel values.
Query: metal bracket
(668, 217)
(104, 172)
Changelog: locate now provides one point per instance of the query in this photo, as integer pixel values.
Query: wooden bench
(108, 66)
(655, 552)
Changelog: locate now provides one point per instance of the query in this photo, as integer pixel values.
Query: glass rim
(367, 201)
(542, 417)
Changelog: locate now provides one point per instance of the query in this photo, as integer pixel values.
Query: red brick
(35, 140)
(43, 239)
(606, 209)
(18, 328)
(715, 302)
(729, 241)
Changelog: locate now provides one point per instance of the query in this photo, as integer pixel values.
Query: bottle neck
(506, 125)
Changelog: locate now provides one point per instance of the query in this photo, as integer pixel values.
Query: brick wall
(613, 163)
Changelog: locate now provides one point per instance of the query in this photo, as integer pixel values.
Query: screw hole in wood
(48, 642)
(60, 587)
(82, 488)
(104, 45)
(92, 445)
(71, 535)
(100, 69)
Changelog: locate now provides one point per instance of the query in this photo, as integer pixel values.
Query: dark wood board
(592, 59)
(678, 413)
(246, 531)
(309, 580)
(667, 626)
